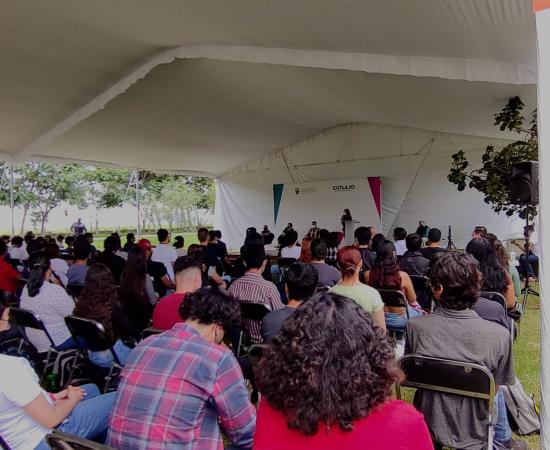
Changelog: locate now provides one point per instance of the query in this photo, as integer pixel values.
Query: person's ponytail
(39, 264)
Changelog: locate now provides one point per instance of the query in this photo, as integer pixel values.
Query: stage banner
(542, 8)
(324, 202)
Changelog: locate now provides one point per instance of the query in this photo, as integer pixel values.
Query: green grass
(526, 361)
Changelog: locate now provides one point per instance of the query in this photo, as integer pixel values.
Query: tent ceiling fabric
(211, 116)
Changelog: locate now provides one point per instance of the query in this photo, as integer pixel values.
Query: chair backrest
(448, 376)
(150, 332)
(419, 283)
(253, 311)
(74, 289)
(59, 440)
(285, 263)
(393, 298)
(495, 297)
(91, 331)
(25, 318)
(321, 288)
(256, 351)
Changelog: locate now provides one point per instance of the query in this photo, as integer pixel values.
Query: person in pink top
(326, 382)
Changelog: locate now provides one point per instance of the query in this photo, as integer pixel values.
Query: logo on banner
(343, 187)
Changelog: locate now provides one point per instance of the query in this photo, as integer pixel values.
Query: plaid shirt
(331, 253)
(174, 390)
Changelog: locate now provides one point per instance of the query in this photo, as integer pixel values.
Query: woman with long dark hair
(345, 217)
(326, 382)
(385, 274)
(99, 301)
(136, 292)
(495, 277)
(504, 260)
(51, 302)
(350, 264)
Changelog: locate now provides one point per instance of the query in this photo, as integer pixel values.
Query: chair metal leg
(490, 436)
(73, 368)
(398, 391)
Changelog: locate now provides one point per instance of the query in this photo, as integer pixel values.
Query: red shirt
(395, 425)
(166, 313)
(8, 275)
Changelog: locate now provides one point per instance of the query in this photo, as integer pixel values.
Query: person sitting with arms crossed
(182, 388)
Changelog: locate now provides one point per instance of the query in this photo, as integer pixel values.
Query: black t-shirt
(157, 270)
(430, 252)
(115, 264)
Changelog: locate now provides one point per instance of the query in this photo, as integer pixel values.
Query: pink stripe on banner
(375, 184)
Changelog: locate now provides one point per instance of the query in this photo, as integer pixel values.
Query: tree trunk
(24, 219)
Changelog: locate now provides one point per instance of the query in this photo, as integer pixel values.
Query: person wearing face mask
(168, 378)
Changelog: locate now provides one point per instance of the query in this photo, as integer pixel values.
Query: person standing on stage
(345, 217)
(78, 228)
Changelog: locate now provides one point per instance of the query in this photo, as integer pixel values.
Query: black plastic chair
(250, 312)
(501, 300)
(394, 299)
(25, 318)
(420, 285)
(450, 377)
(74, 290)
(94, 336)
(59, 440)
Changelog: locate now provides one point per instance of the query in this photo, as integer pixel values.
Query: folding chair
(94, 336)
(320, 289)
(501, 300)
(249, 312)
(254, 354)
(450, 377)
(395, 299)
(150, 332)
(59, 440)
(420, 285)
(25, 318)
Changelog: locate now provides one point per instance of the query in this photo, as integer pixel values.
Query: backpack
(522, 411)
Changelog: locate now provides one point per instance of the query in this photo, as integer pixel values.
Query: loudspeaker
(525, 183)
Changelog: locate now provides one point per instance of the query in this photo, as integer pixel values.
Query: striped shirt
(252, 288)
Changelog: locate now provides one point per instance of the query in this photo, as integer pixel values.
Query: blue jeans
(503, 432)
(105, 358)
(70, 343)
(396, 321)
(532, 266)
(90, 418)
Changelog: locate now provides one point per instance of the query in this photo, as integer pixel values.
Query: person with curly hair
(99, 301)
(350, 264)
(455, 331)
(326, 382)
(182, 388)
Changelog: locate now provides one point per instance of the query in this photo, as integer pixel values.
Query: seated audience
(18, 249)
(503, 259)
(52, 304)
(115, 263)
(130, 242)
(210, 277)
(454, 331)
(188, 275)
(8, 275)
(78, 269)
(267, 235)
(238, 269)
(479, 232)
(136, 293)
(165, 253)
(326, 382)
(28, 413)
(385, 274)
(161, 281)
(333, 242)
(194, 389)
(179, 245)
(252, 288)
(305, 252)
(350, 264)
(532, 258)
(203, 235)
(399, 236)
(413, 262)
(59, 266)
(99, 301)
(328, 275)
(376, 241)
(67, 252)
(495, 278)
(291, 250)
(301, 282)
(433, 244)
(118, 245)
(362, 242)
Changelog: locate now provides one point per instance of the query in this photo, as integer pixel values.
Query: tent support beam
(420, 66)
(12, 200)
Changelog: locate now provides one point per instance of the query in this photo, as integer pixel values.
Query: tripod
(450, 244)
(527, 286)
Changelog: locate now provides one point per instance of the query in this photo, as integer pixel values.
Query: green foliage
(494, 178)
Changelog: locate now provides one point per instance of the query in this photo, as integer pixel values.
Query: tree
(494, 178)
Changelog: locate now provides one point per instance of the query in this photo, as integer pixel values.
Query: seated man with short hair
(433, 245)
(328, 275)
(412, 261)
(455, 331)
(301, 282)
(188, 275)
(182, 388)
(78, 270)
(362, 242)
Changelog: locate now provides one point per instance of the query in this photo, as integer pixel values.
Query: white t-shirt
(18, 387)
(52, 304)
(400, 247)
(166, 254)
(291, 252)
(18, 253)
(60, 267)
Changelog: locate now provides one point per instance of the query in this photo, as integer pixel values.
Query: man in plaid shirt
(180, 387)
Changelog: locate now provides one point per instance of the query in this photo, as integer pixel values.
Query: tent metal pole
(543, 41)
(138, 228)
(12, 200)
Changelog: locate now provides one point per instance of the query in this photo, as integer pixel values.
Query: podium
(349, 231)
